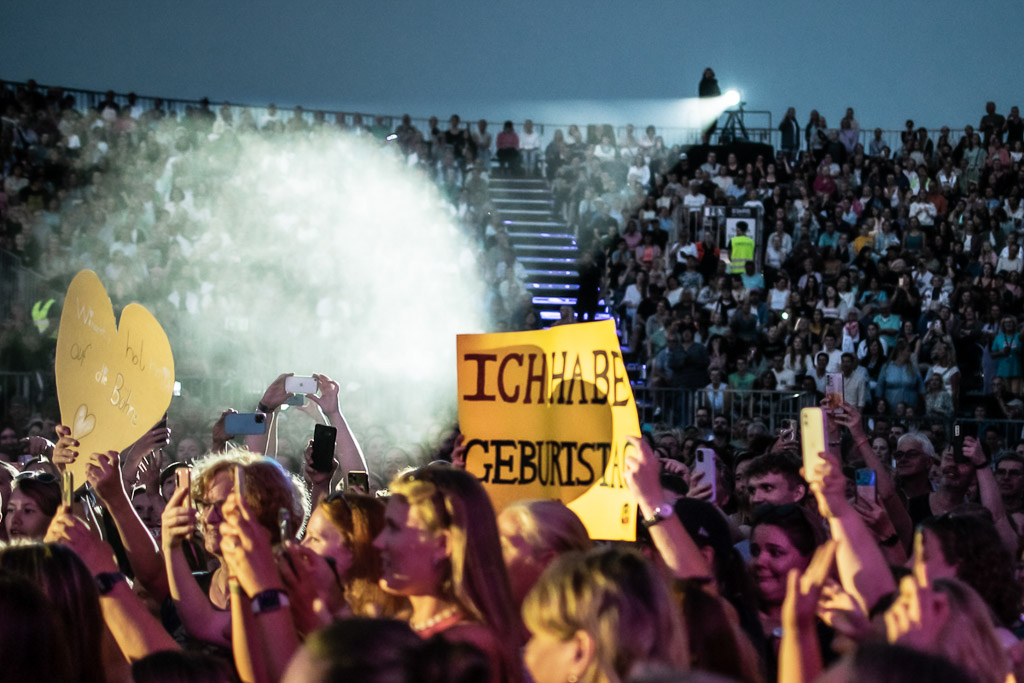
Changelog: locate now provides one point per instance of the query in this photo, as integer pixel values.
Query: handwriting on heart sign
(114, 379)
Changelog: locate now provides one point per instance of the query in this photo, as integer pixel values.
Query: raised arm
(888, 495)
(198, 615)
(863, 570)
(104, 474)
(988, 490)
(245, 545)
(800, 651)
(135, 630)
(681, 554)
(347, 451)
(273, 398)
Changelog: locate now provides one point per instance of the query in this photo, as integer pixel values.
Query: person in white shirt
(855, 381)
(923, 210)
(711, 166)
(529, 146)
(1011, 262)
(835, 356)
(695, 199)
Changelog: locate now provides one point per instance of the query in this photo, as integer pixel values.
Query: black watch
(107, 581)
(661, 513)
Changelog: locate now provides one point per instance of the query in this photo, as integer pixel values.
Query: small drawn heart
(84, 422)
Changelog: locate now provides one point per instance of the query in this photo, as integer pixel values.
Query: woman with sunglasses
(441, 549)
(35, 497)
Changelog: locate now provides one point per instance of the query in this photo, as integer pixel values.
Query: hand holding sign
(114, 381)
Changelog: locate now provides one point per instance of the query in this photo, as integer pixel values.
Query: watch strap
(661, 513)
(107, 581)
(269, 601)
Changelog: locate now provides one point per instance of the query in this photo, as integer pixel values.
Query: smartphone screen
(813, 436)
(358, 480)
(324, 438)
(866, 488)
(184, 481)
(705, 461)
(834, 390)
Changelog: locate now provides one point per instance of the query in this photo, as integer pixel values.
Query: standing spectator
(991, 124)
(529, 146)
(482, 142)
(508, 149)
(1006, 349)
(790, 130)
(900, 380)
(708, 87)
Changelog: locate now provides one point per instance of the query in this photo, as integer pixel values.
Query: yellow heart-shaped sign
(114, 380)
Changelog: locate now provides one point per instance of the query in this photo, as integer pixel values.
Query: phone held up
(300, 385)
(324, 438)
(245, 423)
(813, 436)
(705, 461)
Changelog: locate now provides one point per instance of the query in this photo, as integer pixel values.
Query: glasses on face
(909, 453)
(1005, 472)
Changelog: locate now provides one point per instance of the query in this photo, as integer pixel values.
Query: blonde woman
(533, 534)
(440, 549)
(597, 617)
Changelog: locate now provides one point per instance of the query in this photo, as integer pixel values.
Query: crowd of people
(196, 555)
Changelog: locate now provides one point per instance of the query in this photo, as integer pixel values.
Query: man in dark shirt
(991, 123)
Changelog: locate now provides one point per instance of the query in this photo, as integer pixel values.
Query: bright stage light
(732, 98)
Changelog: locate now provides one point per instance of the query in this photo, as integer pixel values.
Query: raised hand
(72, 532)
(919, 613)
(314, 476)
(275, 395)
(65, 451)
(220, 435)
(178, 520)
(104, 474)
(828, 484)
(800, 608)
(328, 398)
(246, 547)
(643, 473)
(459, 452)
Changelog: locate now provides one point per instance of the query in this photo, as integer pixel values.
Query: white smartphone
(300, 385)
(813, 437)
(706, 461)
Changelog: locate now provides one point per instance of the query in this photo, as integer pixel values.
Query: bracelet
(269, 601)
(890, 541)
(861, 440)
(263, 409)
(107, 581)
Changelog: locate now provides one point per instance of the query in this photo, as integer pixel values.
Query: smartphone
(813, 437)
(68, 492)
(284, 524)
(239, 482)
(866, 489)
(245, 423)
(358, 479)
(183, 478)
(958, 444)
(834, 390)
(296, 400)
(300, 385)
(324, 438)
(706, 462)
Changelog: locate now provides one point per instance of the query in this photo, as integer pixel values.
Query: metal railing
(762, 128)
(678, 407)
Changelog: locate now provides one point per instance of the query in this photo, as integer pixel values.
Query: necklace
(443, 615)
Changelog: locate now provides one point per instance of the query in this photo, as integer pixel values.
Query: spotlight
(732, 98)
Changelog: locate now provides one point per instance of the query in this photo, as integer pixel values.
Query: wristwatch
(661, 513)
(107, 581)
(269, 601)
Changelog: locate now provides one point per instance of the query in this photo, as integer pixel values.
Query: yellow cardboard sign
(114, 381)
(547, 414)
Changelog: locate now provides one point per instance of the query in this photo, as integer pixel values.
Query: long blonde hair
(618, 598)
(448, 499)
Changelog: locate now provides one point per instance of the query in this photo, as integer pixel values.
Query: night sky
(936, 62)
